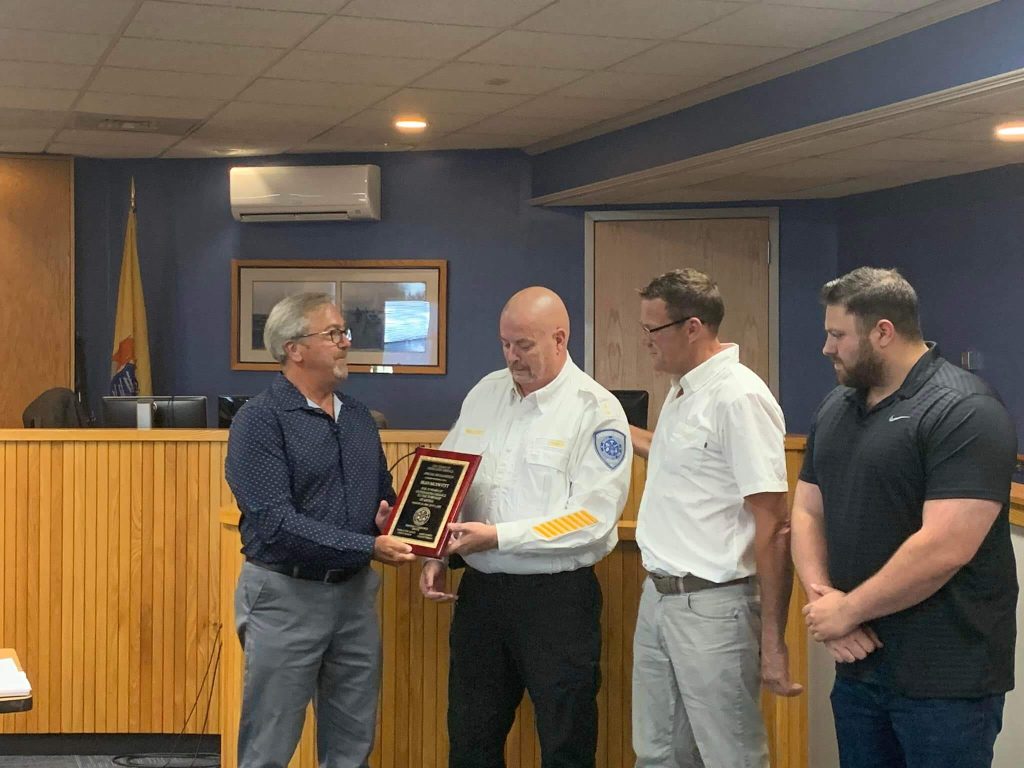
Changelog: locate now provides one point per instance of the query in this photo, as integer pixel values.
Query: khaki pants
(697, 680)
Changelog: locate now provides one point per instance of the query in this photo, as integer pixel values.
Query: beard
(340, 369)
(867, 370)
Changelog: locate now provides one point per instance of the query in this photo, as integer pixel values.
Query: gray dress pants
(302, 641)
(697, 680)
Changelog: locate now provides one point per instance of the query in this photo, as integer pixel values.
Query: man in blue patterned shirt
(309, 474)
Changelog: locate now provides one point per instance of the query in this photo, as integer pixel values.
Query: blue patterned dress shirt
(308, 486)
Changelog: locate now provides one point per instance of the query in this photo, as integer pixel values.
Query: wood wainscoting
(118, 578)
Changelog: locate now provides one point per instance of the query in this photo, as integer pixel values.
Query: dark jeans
(877, 728)
(541, 633)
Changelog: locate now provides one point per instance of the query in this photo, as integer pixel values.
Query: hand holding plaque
(431, 497)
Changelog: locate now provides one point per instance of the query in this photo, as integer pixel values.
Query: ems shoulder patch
(610, 445)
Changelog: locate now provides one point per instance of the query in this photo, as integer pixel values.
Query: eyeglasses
(334, 334)
(651, 331)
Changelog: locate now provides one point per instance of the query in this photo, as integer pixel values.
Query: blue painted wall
(960, 242)
(986, 42)
(466, 207)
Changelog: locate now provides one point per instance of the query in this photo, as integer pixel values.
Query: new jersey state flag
(129, 370)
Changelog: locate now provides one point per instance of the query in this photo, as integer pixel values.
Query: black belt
(678, 585)
(310, 573)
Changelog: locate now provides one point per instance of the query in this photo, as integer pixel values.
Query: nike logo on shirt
(897, 418)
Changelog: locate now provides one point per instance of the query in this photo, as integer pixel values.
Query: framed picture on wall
(395, 309)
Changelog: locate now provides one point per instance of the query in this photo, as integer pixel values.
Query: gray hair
(289, 319)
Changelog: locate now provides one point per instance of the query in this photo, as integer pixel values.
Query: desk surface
(14, 703)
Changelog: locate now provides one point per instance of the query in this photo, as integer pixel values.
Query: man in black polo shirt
(901, 537)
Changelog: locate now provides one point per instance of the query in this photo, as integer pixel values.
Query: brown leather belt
(678, 585)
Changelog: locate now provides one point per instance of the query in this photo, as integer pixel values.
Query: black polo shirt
(943, 435)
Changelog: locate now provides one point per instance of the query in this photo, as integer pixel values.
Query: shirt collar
(288, 395)
(710, 369)
(544, 396)
(923, 369)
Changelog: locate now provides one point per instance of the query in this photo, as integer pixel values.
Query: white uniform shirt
(555, 471)
(721, 440)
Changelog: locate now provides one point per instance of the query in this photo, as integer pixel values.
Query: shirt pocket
(687, 448)
(547, 460)
(471, 440)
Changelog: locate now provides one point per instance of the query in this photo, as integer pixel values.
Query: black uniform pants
(538, 632)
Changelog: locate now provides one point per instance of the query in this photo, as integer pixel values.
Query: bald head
(540, 307)
(534, 330)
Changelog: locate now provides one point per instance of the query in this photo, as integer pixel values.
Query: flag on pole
(129, 370)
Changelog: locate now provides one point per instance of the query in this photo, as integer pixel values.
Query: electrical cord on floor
(174, 759)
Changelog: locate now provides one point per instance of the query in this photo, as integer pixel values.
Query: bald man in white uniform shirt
(542, 510)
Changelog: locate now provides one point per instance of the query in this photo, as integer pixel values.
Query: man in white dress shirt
(542, 510)
(713, 532)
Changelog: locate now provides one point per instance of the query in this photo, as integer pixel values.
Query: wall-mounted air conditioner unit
(306, 193)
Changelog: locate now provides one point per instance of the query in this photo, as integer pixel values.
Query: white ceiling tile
(31, 118)
(177, 56)
(480, 13)
(699, 63)
(127, 139)
(889, 6)
(127, 104)
(981, 129)
(820, 167)
(373, 138)
(159, 83)
(921, 150)
(466, 140)
(268, 132)
(376, 37)
(508, 124)
(425, 101)
(59, 47)
(785, 26)
(381, 121)
(268, 123)
(192, 146)
(102, 17)
(309, 6)
(344, 97)
(992, 102)
(24, 139)
(350, 139)
(209, 24)
(650, 19)
(625, 85)
(39, 75)
(36, 98)
(350, 68)
(496, 78)
(99, 150)
(761, 186)
(544, 49)
(572, 107)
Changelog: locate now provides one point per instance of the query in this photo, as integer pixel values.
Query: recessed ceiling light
(410, 124)
(1010, 132)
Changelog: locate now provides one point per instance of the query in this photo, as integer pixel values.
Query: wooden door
(37, 309)
(627, 254)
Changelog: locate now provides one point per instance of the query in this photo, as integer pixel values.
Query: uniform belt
(678, 585)
(310, 573)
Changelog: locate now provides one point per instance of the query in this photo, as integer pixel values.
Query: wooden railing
(111, 556)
